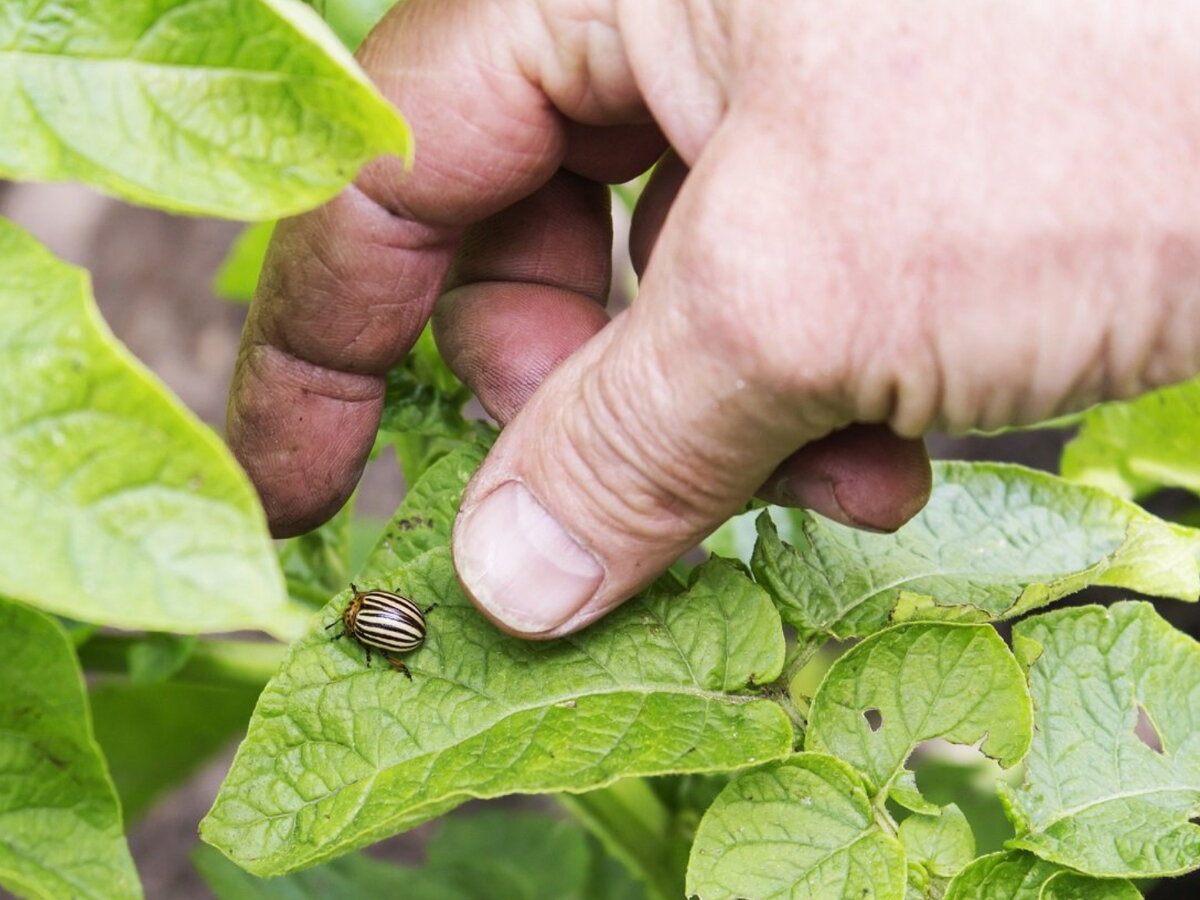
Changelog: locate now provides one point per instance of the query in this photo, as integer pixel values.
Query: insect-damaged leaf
(801, 828)
(60, 823)
(426, 517)
(242, 108)
(994, 542)
(340, 755)
(119, 506)
(1113, 776)
(916, 682)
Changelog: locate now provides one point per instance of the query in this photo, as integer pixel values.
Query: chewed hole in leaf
(874, 718)
(1146, 732)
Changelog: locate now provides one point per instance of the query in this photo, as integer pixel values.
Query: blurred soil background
(152, 275)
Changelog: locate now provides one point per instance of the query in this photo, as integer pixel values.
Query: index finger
(347, 288)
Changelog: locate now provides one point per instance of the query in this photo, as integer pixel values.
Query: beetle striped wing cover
(388, 621)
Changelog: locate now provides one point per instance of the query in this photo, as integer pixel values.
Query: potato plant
(758, 725)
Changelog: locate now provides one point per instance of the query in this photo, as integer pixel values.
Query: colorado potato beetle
(383, 621)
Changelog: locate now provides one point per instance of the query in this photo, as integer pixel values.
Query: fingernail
(520, 564)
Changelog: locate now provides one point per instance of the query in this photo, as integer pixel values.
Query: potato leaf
(339, 754)
(1137, 446)
(800, 828)
(1022, 876)
(1113, 776)
(120, 507)
(942, 844)
(994, 542)
(916, 682)
(250, 109)
(60, 822)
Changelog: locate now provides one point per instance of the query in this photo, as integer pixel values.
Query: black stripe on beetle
(383, 621)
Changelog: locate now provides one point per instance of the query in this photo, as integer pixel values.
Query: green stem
(632, 823)
(211, 662)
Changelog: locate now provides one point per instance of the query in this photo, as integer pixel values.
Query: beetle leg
(401, 666)
(430, 608)
(368, 649)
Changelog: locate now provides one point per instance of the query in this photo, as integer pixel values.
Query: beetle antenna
(331, 624)
(430, 608)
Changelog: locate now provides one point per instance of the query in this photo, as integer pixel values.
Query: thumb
(658, 429)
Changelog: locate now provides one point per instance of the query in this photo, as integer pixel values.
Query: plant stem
(211, 662)
(634, 825)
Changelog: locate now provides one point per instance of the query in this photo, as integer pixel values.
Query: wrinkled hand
(978, 215)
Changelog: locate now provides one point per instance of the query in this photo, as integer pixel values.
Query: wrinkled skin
(891, 217)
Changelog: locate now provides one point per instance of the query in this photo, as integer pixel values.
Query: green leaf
(237, 279)
(1022, 876)
(120, 507)
(423, 396)
(352, 19)
(60, 822)
(916, 682)
(994, 542)
(250, 109)
(1137, 446)
(426, 517)
(339, 755)
(157, 656)
(1096, 796)
(800, 828)
(942, 844)
(155, 736)
(516, 856)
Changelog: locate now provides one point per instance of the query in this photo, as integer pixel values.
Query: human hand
(970, 219)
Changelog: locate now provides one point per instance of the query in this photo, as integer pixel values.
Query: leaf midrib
(676, 690)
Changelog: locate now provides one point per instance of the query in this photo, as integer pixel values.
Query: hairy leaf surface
(1097, 796)
(800, 828)
(339, 754)
(241, 108)
(120, 507)
(60, 822)
(1022, 876)
(916, 682)
(994, 542)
